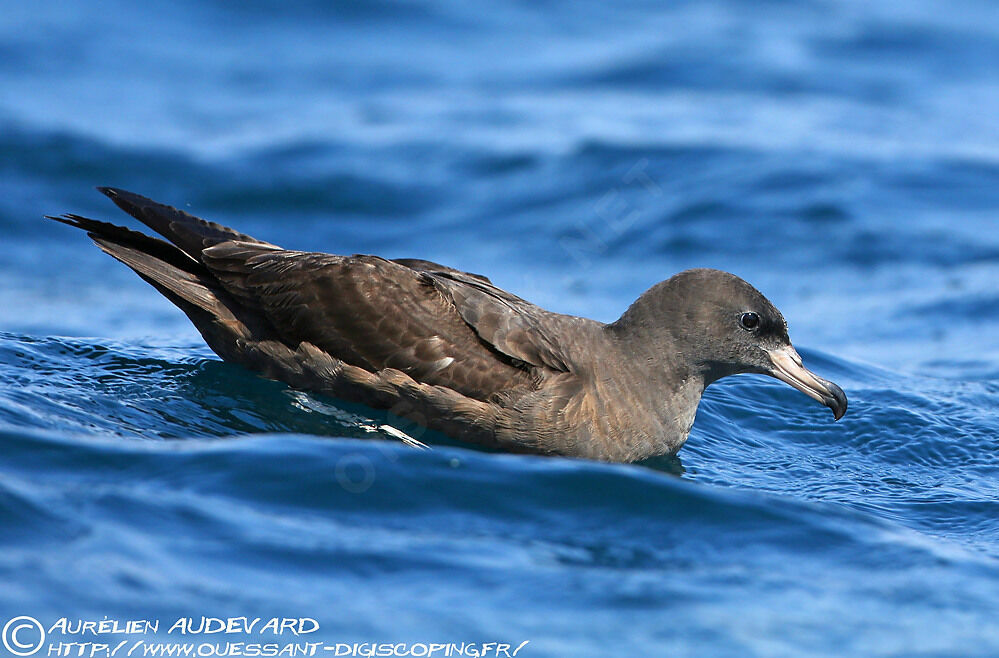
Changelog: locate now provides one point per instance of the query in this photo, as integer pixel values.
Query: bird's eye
(749, 321)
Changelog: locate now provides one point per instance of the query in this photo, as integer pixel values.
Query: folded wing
(437, 325)
(367, 311)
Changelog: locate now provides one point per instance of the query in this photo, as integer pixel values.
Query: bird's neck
(670, 383)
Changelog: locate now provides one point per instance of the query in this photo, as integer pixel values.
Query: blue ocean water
(843, 157)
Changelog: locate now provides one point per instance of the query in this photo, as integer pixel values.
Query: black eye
(749, 321)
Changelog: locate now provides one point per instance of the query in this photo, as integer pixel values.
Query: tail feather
(167, 268)
(189, 287)
(154, 248)
(190, 234)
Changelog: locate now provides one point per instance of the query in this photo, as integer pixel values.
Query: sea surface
(841, 156)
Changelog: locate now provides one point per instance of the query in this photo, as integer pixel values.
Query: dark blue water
(843, 157)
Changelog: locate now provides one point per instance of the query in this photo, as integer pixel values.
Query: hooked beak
(787, 367)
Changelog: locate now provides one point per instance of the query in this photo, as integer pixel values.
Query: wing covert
(512, 325)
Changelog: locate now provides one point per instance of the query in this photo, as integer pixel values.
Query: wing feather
(367, 311)
(512, 325)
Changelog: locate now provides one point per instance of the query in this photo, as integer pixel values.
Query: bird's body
(451, 351)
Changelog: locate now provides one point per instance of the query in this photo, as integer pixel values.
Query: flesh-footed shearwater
(451, 351)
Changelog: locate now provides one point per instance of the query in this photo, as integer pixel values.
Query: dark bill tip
(836, 401)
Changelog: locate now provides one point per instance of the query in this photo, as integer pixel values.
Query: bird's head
(720, 325)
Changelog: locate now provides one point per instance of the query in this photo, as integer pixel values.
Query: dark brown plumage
(453, 352)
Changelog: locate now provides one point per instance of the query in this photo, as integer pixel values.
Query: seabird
(454, 353)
